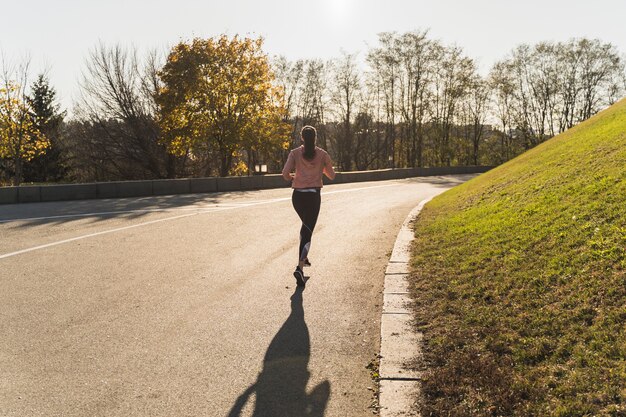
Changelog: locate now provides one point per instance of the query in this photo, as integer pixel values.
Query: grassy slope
(520, 282)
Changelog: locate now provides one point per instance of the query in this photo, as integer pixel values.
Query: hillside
(520, 285)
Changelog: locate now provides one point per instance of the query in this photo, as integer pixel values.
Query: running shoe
(306, 262)
(299, 276)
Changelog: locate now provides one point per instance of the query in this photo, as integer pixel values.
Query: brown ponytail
(309, 134)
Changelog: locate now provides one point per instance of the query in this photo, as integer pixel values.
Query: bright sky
(59, 34)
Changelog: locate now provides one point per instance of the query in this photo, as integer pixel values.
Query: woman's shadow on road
(281, 387)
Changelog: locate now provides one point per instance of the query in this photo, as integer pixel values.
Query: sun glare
(339, 9)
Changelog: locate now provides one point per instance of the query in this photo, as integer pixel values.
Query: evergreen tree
(48, 118)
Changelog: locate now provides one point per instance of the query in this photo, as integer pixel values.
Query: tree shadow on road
(25, 215)
(281, 387)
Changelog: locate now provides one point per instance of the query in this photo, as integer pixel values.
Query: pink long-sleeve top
(308, 172)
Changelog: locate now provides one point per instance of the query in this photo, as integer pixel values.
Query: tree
(417, 62)
(385, 63)
(20, 139)
(549, 87)
(47, 117)
(452, 81)
(375, 129)
(313, 99)
(366, 146)
(475, 111)
(117, 109)
(568, 63)
(218, 100)
(502, 85)
(545, 88)
(601, 67)
(346, 88)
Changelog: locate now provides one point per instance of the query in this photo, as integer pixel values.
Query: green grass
(520, 285)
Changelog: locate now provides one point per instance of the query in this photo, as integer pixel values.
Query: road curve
(186, 305)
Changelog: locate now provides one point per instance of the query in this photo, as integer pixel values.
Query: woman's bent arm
(328, 168)
(290, 165)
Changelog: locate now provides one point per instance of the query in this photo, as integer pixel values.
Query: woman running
(309, 162)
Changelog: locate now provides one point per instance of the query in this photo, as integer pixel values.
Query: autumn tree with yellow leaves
(20, 139)
(218, 104)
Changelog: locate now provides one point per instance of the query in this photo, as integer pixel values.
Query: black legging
(307, 205)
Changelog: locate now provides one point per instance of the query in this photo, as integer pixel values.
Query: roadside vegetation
(520, 286)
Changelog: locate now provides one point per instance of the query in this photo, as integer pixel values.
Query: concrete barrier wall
(29, 194)
(203, 185)
(106, 189)
(273, 181)
(169, 187)
(68, 192)
(8, 195)
(120, 189)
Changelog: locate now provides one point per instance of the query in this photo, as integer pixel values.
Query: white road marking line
(197, 212)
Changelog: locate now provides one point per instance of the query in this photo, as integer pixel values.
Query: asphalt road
(186, 305)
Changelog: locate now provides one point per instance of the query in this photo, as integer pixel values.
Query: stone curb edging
(399, 344)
